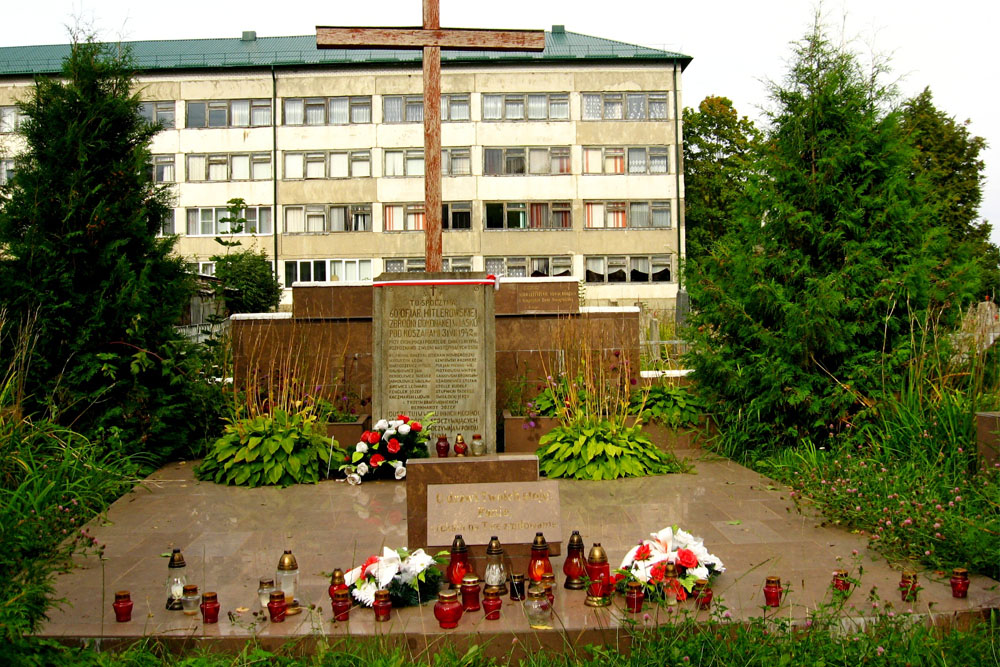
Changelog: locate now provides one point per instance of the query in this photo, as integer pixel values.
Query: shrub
(282, 448)
(667, 405)
(599, 449)
(248, 281)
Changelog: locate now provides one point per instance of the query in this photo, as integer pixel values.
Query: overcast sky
(736, 45)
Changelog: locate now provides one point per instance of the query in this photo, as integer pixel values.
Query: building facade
(560, 163)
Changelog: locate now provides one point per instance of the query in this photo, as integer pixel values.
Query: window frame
(627, 261)
(551, 100)
(353, 102)
(448, 100)
(352, 214)
(353, 157)
(406, 155)
(408, 209)
(158, 112)
(612, 151)
(216, 211)
(660, 97)
(409, 103)
(254, 160)
(523, 153)
(226, 106)
(512, 209)
(452, 154)
(626, 206)
(448, 211)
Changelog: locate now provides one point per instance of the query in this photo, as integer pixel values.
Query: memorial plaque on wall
(435, 352)
(513, 511)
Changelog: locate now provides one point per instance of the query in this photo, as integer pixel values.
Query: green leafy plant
(667, 405)
(599, 449)
(281, 449)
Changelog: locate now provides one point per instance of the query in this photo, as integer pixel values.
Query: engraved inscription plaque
(513, 511)
(435, 352)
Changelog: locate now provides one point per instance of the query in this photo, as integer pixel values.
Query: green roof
(302, 51)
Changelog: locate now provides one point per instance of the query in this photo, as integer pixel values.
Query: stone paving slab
(232, 536)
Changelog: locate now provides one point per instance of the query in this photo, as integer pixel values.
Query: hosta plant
(600, 449)
(280, 449)
(667, 405)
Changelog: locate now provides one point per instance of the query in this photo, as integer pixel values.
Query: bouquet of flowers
(647, 561)
(383, 451)
(410, 577)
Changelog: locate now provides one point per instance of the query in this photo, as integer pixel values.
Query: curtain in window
(240, 110)
(637, 160)
(338, 219)
(495, 266)
(492, 161)
(294, 112)
(338, 110)
(291, 273)
(492, 107)
(614, 163)
(316, 166)
(314, 114)
(393, 163)
(196, 168)
(616, 216)
(658, 106)
(391, 218)
(361, 113)
(415, 220)
(514, 163)
(591, 107)
(241, 167)
(338, 165)
(559, 108)
(260, 115)
(639, 270)
(560, 161)
(537, 106)
(459, 108)
(657, 162)
(315, 220)
(293, 165)
(264, 220)
(661, 216)
(294, 220)
(538, 161)
(539, 216)
(636, 107)
(661, 269)
(461, 163)
(261, 167)
(415, 165)
(218, 168)
(192, 222)
(613, 107)
(540, 267)
(595, 269)
(415, 111)
(592, 160)
(361, 165)
(393, 110)
(514, 108)
(364, 269)
(361, 221)
(594, 215)
(639, 214)
(208, 221)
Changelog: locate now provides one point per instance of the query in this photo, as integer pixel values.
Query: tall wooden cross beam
(431, 38)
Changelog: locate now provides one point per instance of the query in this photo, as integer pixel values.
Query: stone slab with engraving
(513, 511)
(435, 352)
(535, 296)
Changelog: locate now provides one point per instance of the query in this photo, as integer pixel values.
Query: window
(10, 118)
(414, 264)
(167, 227)
(526, 106)
(621, 160)
(520, 161)
(229, 113)
(529, 215)
(634, 215)
(534, 267)
(455, 107)
(326, 270)
(214, 221)
(456, 162)
(628, 268)
(204, 268)
(327, 110)
(409, 162)
(402, 217)
(627, 106)
(6, 171)
(456, 215)
(158, 112)
(228, 167)
(326, 164)
(162, 169)
(402, 109)
(322, 219)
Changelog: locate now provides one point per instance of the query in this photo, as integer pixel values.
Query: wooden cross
(431, 38)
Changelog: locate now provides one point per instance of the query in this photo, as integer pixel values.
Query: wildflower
(880, 651)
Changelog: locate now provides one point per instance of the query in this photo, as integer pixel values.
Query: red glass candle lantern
(702, 594)
(209, 607)
(908, 586)
(459, 565)
(277, 607)
(123, 606)
(447, 609)
(341, 605)
(840, 582)
(548, 583)
(442, 446)
(574, 566)
(492, 602)
(470, 592)
(959, 582)
(382, 606)
(336, 583)
(634, 596)
(772, 591)
(599, 573)
(539, 563)
(461, 449)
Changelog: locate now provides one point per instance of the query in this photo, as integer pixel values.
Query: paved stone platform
(232, 536)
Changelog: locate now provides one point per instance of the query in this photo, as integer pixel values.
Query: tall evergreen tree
(801, 313)
(79, 251)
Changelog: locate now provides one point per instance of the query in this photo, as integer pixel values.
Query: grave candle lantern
(478, 445)
(548, 583)
(959, 582)
(574, 567)
(634, 596)
(123, 606)
(492, 602)
(442, 446)
(448, 610)
(461, 449)
(286, 578)
(517, 587)
(537, 609)
(703, 594)
(210, 607)
(189, 602)
(908, 586)
(670, 584)
(264, 590)
(599, 573)
(772, 591)
(458, 566)
(382, 606)
(470, 592)
(840, 581)
(496, 573)
(277, 607)
(336, 583)
(539, 563)
(176, 580)
(341, 604)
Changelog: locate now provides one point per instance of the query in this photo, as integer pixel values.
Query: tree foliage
(948, 159)
(80, 254)
(801, 311)
(719, 150)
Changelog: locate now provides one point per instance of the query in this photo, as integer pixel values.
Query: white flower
(389, 433)
(683, 539)
(403, 429)
(354, 479)
(352, 576)
(700, 572)
(361, 447)
(664, 539)
(415, 563)
(699, 551)
(365, 592)
(400, 472)
(386, 568)
(381, 425)
(362, 469)
(394, 423)
(712, 561)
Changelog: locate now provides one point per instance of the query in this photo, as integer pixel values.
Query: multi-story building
(560, 163)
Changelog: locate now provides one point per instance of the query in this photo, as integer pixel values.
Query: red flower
(403, 418)
(373, 437)
(372, 560)
(657, 572)
(642, 553)
(393, 446)
(376, 460)
(686, 558)
(416, 427)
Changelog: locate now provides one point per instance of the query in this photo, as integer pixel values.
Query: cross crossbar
(446, 38)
